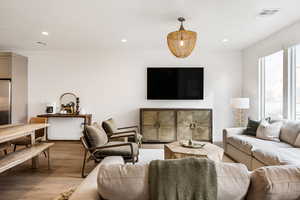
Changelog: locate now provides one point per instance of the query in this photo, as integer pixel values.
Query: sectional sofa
(112, 179)
(255, 153)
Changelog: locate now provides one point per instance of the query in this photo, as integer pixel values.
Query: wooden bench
(15, 158)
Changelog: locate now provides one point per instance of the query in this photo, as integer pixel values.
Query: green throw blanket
(183, 179)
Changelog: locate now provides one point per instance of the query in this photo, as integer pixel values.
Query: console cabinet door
(159, 125)
(202, 118)
(167, 126)
(202, 129)
(194, 124)
(184, 120)
(149, 125)
(202, 133)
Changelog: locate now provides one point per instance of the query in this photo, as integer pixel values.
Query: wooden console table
(87, 117)
(9, 133)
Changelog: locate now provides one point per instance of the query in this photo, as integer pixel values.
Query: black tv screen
(174, 83)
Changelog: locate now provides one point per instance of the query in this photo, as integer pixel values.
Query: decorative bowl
(191, 144)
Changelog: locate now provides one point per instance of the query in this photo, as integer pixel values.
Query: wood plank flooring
(24, 183)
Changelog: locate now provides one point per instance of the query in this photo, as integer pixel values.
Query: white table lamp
(240, 104)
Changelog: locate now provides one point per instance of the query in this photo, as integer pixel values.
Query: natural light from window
(273, 77)
(297, 82)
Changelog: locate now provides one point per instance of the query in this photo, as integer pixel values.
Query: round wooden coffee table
(175, 150)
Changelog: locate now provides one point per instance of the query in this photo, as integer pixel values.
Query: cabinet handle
(157, 125)
(192, 126)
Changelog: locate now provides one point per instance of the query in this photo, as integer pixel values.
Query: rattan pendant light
(182, 42)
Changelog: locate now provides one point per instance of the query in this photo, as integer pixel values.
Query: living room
(71, 66)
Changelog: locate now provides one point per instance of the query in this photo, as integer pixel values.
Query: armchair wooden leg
(15, 147)
(134, 159)
(83, 166)
(5, 152)
(137, 158)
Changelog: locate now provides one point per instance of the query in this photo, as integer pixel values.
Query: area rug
(65, 195)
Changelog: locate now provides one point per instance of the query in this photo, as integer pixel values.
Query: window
(271, 86)
(297, 100)
(294, 81)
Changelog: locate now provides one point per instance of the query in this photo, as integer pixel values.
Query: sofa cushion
(94, 136)
(245, 143)
(117, 151)
(280, 156)
(88, 190)
(289, 131)
(233, 181)
(130, 182)
(126, 182)
(275, 183)
(269, 131)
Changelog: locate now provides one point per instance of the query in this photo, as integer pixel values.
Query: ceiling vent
(268, 12)
(42, 43)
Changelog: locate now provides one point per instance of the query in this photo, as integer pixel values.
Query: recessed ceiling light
(268, 12)
(225, 40)
(124, 40)
(45, 33)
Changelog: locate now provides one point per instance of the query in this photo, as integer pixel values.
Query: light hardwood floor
(24, 183)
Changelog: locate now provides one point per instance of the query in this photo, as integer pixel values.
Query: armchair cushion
(124, 151)
(94, 136)
(118, 135)
(109, 126)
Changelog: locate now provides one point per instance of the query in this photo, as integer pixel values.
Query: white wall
(287, 37)
(114, 83)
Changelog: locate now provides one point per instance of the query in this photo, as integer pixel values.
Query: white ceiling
(100, 25)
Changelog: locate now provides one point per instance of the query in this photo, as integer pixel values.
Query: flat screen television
(175, 83)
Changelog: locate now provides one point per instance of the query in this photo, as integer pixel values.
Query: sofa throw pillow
(297, 142)
(252, 127)
(269, 131)
(289, 131)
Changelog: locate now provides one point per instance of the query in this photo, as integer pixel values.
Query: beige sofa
(255, 153)
(112, 179)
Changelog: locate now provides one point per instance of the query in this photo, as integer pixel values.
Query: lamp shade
(182, 42)
(240, 103)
